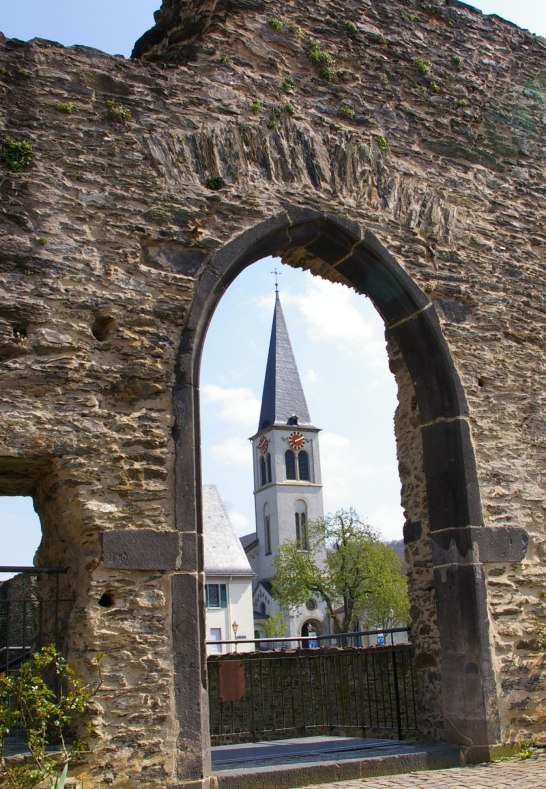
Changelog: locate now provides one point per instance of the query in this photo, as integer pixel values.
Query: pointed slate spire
(283, 395)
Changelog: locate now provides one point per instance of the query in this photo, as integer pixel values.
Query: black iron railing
(270, 695)
(31, 612)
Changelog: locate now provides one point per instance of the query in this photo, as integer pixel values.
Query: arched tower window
(290, 463)
(265, 469)
(297, 465)
(303, 465)
(300, 517)
(267, 531)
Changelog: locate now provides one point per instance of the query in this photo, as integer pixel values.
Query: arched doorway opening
(311, 628)
(434, 446)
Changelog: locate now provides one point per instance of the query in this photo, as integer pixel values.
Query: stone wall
(423, 128)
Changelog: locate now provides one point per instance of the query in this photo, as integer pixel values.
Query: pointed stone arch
(340, 250)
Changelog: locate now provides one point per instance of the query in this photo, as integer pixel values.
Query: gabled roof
(224, 554)
(248, 541)
(283, 395)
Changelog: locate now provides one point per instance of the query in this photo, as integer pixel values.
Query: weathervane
(277, 274)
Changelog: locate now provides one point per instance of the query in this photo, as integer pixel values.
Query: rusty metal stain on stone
(232, 680)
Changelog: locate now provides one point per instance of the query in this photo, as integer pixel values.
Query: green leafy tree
(274, 625)
(359, 578)
(44, 699)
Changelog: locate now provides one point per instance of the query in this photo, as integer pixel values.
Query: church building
(287, 480)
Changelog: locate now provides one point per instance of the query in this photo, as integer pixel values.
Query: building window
(297, 467)
(290, 463)
(303, 465)
(215, 635)
(265, 469)
(267, 535)
(301, 531)
(216, 595)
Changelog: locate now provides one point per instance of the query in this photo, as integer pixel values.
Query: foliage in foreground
(359, 577)
(43, 699)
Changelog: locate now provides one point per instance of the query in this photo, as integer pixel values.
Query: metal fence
(270, 695)
(31, 612)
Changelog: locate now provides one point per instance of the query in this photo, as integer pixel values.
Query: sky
(336, 335)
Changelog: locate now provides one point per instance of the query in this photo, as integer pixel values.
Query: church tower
(287, 476)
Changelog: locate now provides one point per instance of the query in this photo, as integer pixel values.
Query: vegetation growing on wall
(15, 154)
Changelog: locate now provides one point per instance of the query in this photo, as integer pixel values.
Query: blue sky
(337, 336)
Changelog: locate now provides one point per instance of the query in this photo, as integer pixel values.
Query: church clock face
(296, 440)
(263, 445)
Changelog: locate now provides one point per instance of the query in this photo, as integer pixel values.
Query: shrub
(65, 106)
(116, 113)
(423, 65)
(29, 702)
(15, 154)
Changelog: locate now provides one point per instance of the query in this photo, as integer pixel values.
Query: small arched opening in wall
(440, 489)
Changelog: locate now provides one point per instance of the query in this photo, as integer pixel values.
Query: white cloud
(336, 315)
(344, 473)
(236, 405)
(389, 520)
(234, 451)
(310, 377)
(241, 524)
(355, 477)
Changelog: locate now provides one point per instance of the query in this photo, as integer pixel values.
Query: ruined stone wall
(423, 124)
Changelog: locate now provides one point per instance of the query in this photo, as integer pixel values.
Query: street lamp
(235, 628)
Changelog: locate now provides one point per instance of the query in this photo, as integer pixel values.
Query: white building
(228, 584)
(287, 479)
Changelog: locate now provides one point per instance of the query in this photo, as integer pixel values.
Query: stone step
(287, 764)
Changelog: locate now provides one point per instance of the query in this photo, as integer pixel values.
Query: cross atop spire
(277, 275)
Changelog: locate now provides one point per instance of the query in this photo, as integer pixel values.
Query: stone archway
(120, 239)
(339, 250)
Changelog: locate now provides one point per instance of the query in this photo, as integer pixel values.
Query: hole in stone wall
(481, 382)
(106, 600)
(19, 331)
(102, 327)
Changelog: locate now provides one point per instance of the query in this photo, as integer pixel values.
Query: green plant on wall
(44, 699)
(457, 62)
(349, 26)
(115, 112)
(274, 23)
(65, 106)
(323, 61)
(424, 65)
(15, 154)
(346, 112)
(289, 85)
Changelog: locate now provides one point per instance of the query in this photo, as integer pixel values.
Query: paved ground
(518, 774)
